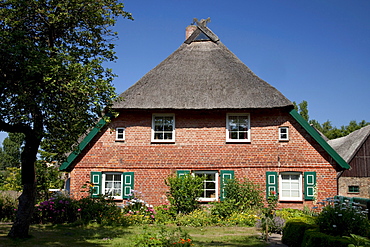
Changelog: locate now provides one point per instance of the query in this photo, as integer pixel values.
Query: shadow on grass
(248, 241)
(64, 235)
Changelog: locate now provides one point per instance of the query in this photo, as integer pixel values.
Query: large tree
(53, 85)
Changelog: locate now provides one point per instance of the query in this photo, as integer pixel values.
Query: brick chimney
(189, 30)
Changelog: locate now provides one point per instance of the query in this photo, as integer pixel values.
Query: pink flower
(78, 210)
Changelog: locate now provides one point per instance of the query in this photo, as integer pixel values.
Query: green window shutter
(181, 173)
(225, 175)
(271, 183)
(128, 184)
(95, 178)
(309, 185)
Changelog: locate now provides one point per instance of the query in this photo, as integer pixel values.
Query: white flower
(334, 226)
(339, 214)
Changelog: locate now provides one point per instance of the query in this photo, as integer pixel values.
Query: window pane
(285, 193)
(295, 193)
(158, 136)
(210, 185)
(168, 136)
(210, 194)
(294, 177)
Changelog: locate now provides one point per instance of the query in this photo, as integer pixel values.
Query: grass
(93, 235)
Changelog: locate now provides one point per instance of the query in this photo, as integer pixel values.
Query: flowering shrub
(343, 218)
(165, 214)
(63, 209)
(242, 219)
(165, 238)
(137, 210)
(55, 210)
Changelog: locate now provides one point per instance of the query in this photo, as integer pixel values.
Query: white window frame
(281, 138)
(120, 136)
(154, 132)
(217, 185)
(281, 187)
(228, 139)
(104, 185)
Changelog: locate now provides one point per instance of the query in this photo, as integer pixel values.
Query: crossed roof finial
(202, 22)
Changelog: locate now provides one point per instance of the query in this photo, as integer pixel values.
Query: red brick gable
(200, 145)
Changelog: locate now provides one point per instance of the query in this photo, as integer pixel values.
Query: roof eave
(316, 136)
(66, 165)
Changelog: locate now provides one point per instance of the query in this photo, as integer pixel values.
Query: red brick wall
(200, 145)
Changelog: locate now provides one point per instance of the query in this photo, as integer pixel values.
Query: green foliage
(8, 205)
(327, 128)
(196, 218)
(184, 192)
(289, 213)
(241, 196)
(11, 179)
(302, 109)
(244, 193)
(313, 237)
(10, 152)
(48, 177)
(53, 85)
(294, 229)
(357, 241)
(165, 238)
(343, 218)
(164, 214)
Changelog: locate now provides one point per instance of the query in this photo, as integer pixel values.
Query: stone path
(275, 241)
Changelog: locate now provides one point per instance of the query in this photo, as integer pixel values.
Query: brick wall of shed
(200, 145)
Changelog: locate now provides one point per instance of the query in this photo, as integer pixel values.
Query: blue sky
(318, 51)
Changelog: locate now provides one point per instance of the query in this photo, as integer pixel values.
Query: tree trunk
(26, 205)
(27, 199)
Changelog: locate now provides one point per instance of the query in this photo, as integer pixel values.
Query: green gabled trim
(82, 145)
(319, 139)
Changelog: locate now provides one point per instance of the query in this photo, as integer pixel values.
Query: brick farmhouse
(202, 111)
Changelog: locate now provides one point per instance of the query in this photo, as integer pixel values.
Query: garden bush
(343, 218)
(184, 191)
(244, 193)
(8, 205)
(313, 237)
(294, 229)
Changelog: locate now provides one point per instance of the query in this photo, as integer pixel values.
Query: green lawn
(63, 235)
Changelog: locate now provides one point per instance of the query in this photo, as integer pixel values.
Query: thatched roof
(347, 146)
(201, 74)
